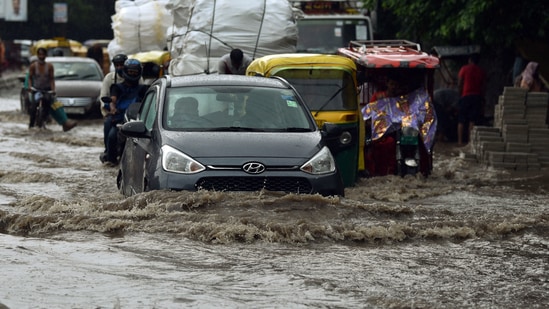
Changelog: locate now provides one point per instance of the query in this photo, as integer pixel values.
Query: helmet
(132, 70)
(119, 59)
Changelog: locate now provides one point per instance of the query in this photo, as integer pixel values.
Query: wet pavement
(467, 236)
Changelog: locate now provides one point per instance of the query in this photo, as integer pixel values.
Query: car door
(138, 148)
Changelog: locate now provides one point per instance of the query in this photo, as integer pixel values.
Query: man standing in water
(471, 84)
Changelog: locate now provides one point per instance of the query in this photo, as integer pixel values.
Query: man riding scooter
(122, 95)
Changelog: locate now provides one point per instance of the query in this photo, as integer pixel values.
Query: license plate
(74, 110)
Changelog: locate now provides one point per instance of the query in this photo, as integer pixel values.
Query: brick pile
(519, 139)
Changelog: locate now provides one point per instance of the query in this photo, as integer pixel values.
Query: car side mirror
(133, 111)
(331, 129)
(135, 129)
(336, 137)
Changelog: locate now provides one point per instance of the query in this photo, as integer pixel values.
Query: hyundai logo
(253, 168)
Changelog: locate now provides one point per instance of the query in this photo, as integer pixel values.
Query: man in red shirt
(471, 83)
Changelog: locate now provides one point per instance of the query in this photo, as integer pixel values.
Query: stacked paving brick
(519, 139)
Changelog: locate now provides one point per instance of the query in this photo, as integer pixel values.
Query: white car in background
(78, 83)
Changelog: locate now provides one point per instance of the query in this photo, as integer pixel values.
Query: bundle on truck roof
(139, 26)
(205, 30)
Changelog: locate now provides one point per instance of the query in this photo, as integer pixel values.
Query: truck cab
(325, 26)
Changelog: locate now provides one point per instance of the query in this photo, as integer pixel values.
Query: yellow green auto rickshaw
(57, 46)
(155, 64)
(328, 85)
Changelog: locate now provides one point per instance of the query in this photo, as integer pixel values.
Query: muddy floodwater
(466, 237)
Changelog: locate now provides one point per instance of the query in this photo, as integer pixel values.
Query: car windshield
(325, 89)
(76, 71)
(225, 108)
(329, 34)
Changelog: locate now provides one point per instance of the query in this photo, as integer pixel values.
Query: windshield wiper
(66, 76)
(235, 129)
(330, 99)
(94, 76)
(296, 129)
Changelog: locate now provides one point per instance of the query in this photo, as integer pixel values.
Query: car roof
(227, 80)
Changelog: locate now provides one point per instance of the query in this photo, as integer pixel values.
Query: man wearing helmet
(113, 78)
(122, 94)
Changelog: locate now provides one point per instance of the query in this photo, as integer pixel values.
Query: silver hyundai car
(226, 133)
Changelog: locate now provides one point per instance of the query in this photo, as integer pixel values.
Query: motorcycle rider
(121, 96)
(112, 78)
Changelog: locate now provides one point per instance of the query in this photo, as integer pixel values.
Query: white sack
(139, 26)
(205, 30)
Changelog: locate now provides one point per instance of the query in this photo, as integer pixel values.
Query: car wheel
(121, 184)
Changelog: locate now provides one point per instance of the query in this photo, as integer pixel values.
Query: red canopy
(389, 54)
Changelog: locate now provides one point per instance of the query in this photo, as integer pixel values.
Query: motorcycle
(407, 151)
(401, 152)
(39, 110)
(128, 115)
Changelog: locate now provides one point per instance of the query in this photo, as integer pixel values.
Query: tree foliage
(490, 23)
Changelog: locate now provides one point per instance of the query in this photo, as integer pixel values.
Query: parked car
(78, 83)
(226, 133)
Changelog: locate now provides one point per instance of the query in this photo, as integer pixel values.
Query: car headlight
(321, 163)
(175, 161)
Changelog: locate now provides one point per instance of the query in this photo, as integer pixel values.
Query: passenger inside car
(231, 109)
(185, 113)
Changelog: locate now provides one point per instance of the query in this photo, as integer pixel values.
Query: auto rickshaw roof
(154, 56)
(389, 54)
(54, 43)
(269, 65)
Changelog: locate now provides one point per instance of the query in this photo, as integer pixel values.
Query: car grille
(75, 101)
(284, 184)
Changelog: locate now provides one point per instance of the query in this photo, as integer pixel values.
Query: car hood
(202, 145)
(77, 88)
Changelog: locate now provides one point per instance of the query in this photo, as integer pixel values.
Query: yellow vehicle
(155, 64)
(328, 85)
(58, 44)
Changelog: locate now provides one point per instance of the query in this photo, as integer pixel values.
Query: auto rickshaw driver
(402, 104)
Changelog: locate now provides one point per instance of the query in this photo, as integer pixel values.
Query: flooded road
(466, 237)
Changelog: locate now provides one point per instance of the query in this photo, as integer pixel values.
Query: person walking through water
(471, 85)
(235, 62)
(41, 77)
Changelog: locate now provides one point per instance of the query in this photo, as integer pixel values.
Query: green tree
(503, 29)
(490, 23)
